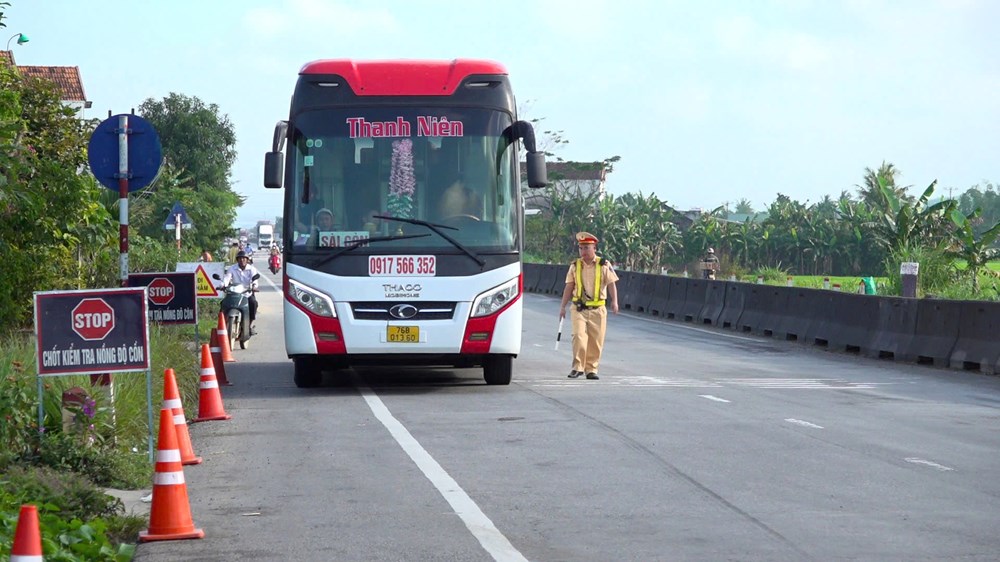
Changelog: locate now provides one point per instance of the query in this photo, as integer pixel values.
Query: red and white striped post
(105, 379)
(123, 199)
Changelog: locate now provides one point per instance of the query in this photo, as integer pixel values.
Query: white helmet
(711, 251)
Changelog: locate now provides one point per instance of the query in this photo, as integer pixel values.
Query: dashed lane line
(931, 464)
(803, 423)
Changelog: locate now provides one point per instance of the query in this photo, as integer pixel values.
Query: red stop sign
(93, 319)
(161, 291)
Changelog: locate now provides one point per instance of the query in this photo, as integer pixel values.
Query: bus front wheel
(307, 372)
(498, 369)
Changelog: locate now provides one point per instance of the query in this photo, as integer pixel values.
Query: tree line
(865, 233)
(59, 226)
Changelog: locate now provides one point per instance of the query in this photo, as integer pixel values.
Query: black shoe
(593, 376)
(575, 374)
(253, 331)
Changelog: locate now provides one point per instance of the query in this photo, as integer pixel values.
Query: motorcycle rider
(709, 264)
(243, 272)
(274, 262)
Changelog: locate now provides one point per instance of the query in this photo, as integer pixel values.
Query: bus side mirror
(535, 159)
(274, 167)
(537, 175)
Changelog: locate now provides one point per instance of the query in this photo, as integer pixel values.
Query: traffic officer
(590, 281)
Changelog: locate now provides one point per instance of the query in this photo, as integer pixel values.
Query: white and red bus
(403, 223)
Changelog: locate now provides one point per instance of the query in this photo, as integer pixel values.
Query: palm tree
(874, 179)
(744, 207)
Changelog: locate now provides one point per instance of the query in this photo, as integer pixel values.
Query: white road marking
(931, 464)
(803, 423)
(271, 283)
(491, 539)
(683, 382)
(638, 381)
(714, 398)
(798, 383)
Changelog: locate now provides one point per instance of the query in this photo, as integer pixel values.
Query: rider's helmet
(711, 251)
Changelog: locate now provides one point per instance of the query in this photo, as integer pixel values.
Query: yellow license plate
(403, 334)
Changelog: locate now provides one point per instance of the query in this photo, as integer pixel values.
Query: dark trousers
(253, 307)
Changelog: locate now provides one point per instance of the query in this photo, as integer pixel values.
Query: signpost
(176, 220)
(172, 298)
(203, 271)
(124, 154)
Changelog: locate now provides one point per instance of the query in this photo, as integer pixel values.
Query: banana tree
(977, 252)
(898, 224)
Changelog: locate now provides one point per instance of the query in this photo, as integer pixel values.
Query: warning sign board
(172, 298)
(93, 331)
(203, 281)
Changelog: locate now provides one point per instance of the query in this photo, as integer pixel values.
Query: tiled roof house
(66, 78)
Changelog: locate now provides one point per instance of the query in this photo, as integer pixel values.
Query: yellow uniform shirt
(608, 276)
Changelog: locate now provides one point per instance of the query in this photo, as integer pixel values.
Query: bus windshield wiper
(337, 252)
(436, 228)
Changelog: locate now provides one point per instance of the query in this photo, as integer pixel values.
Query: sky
(706, 102)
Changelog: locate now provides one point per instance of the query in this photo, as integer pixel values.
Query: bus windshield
(452, 167)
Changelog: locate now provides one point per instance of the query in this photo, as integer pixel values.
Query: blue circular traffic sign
(144, 153)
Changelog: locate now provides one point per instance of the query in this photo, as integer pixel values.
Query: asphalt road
(696, 444)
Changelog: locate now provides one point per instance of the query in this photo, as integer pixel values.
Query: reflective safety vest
(578, 291)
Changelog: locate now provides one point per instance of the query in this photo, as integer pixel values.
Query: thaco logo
(93, 319)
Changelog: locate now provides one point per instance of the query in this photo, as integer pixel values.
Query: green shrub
(936, 273)
(76, 495)
(18, 397)
(113, 451)
(771, 274)
(67, 539)
(77, 520)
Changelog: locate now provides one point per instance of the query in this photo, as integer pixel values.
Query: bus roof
(403, 77)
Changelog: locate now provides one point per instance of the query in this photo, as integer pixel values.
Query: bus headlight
(311, 299)
(495, 299)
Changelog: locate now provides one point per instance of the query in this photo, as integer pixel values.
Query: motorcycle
(274, 263)
(235, 306)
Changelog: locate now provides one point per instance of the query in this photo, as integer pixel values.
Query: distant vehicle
(422, 263)
(265, 235)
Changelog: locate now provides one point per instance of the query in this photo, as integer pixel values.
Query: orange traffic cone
(223, 335)
(172, 401)
(27, 545)
(217, 362)
(209, 398)
(170, 513)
